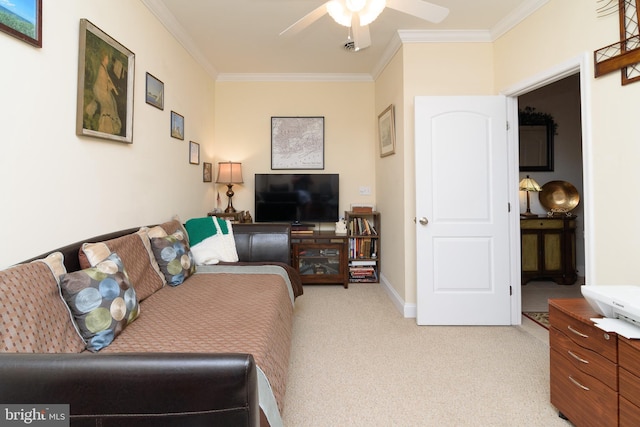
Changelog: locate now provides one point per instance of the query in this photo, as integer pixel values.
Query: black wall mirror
(536, 131)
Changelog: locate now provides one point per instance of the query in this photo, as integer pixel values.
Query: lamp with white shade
(529, 185)
(229, 173)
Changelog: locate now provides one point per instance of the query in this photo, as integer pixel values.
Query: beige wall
(571, 28)
(243, 132)
(390, 180)
(420, 69)
(58, 188)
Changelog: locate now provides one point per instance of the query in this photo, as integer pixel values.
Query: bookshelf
(363, 231)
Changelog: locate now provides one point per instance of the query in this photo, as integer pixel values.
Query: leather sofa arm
(137, 389)
(263, 242)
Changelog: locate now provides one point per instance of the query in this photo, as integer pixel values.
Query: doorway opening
(543, 246)
(563, 92)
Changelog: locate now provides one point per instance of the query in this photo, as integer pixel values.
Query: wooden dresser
(629, 381)
(583, 365)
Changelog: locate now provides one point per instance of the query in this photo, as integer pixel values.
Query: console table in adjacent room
(548, 247)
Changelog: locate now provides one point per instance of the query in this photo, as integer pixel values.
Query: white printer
(614, 301)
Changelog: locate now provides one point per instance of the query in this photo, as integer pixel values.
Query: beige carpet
(356, 362)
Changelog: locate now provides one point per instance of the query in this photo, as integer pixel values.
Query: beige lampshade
(229, 173)
(529, 184)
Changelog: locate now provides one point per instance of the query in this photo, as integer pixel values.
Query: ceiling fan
(358, 14)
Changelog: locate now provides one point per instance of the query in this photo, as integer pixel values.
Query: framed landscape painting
(23, 20)
(105, 86)
(154, 92)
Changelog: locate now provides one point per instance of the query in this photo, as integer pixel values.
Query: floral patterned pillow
(102, 301)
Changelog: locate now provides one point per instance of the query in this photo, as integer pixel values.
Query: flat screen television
(296, 198)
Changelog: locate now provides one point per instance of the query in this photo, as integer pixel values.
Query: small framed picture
(23, 20)
(206, 172)
(177, 125)
(387, 131)
(194, 153)
(154, 92)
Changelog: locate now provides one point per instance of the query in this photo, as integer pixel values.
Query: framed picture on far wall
(154, 94)
(23, 20)
(177, 125)
(105, 86)
(387, 131)
(207, 172)
(194, 153)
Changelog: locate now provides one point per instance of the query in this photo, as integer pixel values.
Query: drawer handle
(580, 334)
(578, 384)
(572, 354)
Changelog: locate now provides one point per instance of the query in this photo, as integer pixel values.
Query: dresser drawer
(629, 414)
(542, 224)
(629, 355)
(629, 386)
(585, 360)
(584, 335)
(583, 399)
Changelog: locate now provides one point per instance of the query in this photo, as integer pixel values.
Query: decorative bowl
(559, 196)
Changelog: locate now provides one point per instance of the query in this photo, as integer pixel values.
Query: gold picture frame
(387, 131)
(105, 86)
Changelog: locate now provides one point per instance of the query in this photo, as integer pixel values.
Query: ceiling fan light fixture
(342, 10)
(371, 10)
(339, 12)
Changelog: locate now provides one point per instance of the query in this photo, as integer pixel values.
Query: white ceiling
(236, 39)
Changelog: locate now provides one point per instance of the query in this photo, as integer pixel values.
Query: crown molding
(165, 17)
(517, 16)
(293, 77)
(401, 37)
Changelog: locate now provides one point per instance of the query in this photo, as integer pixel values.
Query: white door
(462, 232)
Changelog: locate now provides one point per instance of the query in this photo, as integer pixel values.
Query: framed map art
(297, 142)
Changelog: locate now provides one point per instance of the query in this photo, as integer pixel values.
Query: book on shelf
(357, 263)
(295, 231)
(361, 226)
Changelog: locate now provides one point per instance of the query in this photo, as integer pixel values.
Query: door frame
(579, 64)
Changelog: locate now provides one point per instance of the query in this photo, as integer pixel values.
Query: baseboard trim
(408, 311)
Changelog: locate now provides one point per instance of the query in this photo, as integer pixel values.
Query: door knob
(423, 221)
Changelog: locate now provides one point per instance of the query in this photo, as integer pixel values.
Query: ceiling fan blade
(306, 20)
(421, 9)
(361, 35)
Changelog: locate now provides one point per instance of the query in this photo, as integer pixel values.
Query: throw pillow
(55, 262)
(174, 225)
(137, 257)
(174, 257)
(102, 301)
(33, 318)
(212, 240)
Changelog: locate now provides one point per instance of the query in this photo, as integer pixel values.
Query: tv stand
(320, 257)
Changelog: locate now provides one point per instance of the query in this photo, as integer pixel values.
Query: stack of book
(362, 271)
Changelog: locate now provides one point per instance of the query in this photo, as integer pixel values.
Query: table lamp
(529, 184)
(229, 173)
